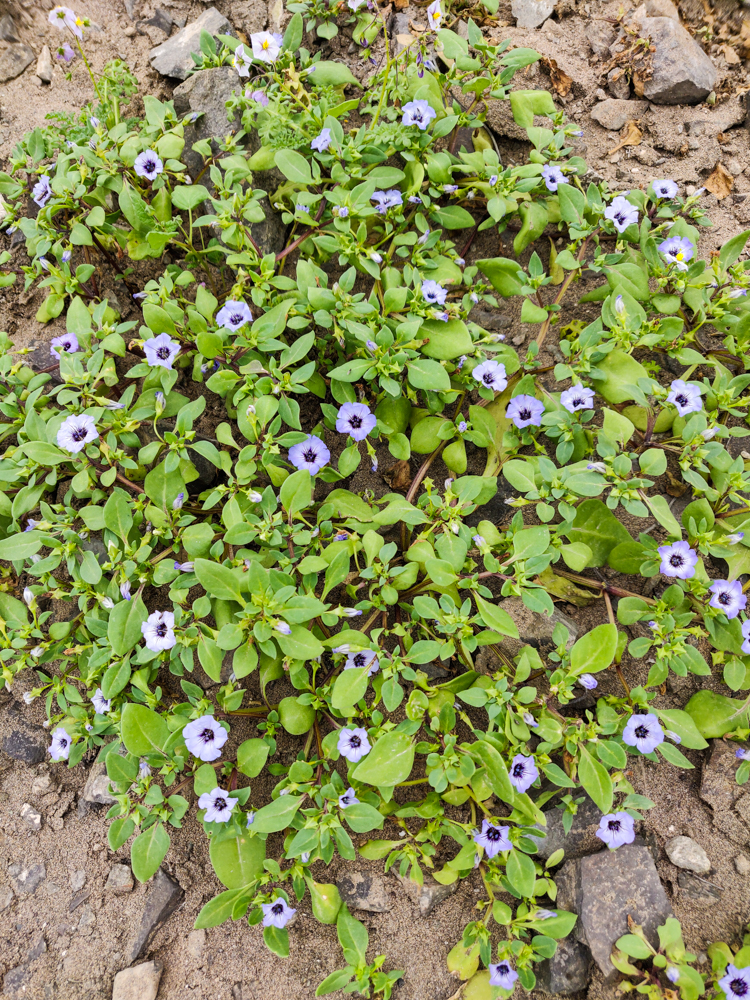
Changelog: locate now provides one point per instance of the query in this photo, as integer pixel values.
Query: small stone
(172, 58)
(8, 29)
(531, 13)
(196, 942)
(27, 879)
(701, 892)
(567, 971)
(362, 891)
(618, 84)
(163, 898)
(41, 784)
(613, 114)
(31, 817)
(130, 31)
(426, 896)
(160, 20)
(26, 743)
(78, 900)
(6, 897)
(14, 59)
(600, 95)
(742, 864)
(44, 65)
(600, 34)
(682, 73)
(37, 949)
(87, 918)
(96, 789)
(683, 852)
(141, 982)
(78, 880)
(120, 879)
(662, 8)
(581, 838)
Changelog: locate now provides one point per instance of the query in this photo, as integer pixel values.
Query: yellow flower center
(265, 44)
(679, 255)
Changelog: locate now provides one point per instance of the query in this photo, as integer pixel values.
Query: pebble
(701, 892)
(613, 113)
(41, 784)
(683, 852)
(26, 743)
(14, 60)
(742, 864)
(426, 896)
(172, 58)
(31, 817)
(88, 917)
(362, 891)
(196, 942)
(120, 879)
(681, 73)
(141, 982)
(27, 879)
(531, 13)
(163, 898)
(8, 30)
(78, 880)
(44, 65)
(96, 789)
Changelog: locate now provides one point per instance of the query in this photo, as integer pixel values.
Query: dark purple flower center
(675, 560)
(739, 987)
(493, 833)
(63, 742)
(355, 742)
(519, 770)
(579, 401)
(725, 597)
(614, 825)
(525, 413)
(277, 909)
(163, 353)
(220, 803)
(161, 629)
(149, 166)
(236, 318)
(642, 732)
(310, 455)
(355, 421)
(79, 434)
(488, 378)
(681, 400)
(360, 660)
(208, 736)
(503, 969)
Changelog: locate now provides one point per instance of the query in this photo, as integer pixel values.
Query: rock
(44, 65)
(500, 119)
(742, 865)
(362, 891)
(531, 13)
(435, 671)
(87, 918)
(8, 29)
(490, 319)
(567, 971)
(646, 155)
(618, 84)
(662, 8)
(701, 892)
(426, 896)
(682, 73)
(96, 789)
(120, 879)
(600, 35)
(196, 942)
(26, 879)
(78, 900)
(163, 898)
(533, 630)
(25, 743)
(172, 58)
(139, 983)
(37, 949)
(14, 59)
(613, 114)
(78, 880)
(6, 897)
(31, 817)
(399, 25)
(720, 790)
(162, 21)
(685, 853)
(580, 841)
(41, 784)
(14, 980)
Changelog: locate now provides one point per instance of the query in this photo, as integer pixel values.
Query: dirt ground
(52, 949)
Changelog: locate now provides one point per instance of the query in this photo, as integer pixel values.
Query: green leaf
(426, 374)
(336, 981)
(453, 217)
(596, 526)
(353, 937)
(218, 581)
(142, 730)
(732, 249)
(362, 817)
(332, 74)
(293, 165)
(124, 626)
(521, 873)
(296, 491)
(350, 686)
(595, 779)
(252, 756)
(118, 516)
(115, 678)
(634, 946)
(237, 861)
(219, 909)
(120, 832)
(186, 197)
(595, 650)
(293, 34)
(300, 645)
(527, 103)
(505, 275)
(43, 453)
(683, 724)
(277, 815)
(497, 773)
(389, 762)
(148, 850)
(496, 618)
(276, 939)
(20, 546)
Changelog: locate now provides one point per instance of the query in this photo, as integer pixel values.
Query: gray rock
(172, 58)
(362, 891)
(78, 880)
(600, 35)
(661, 8)
(78, 900)
(120, 879)
(618, 84)
(435, 671)
(742, 865)
(44, 65)
(196, 942)
(96, 790)
(14, 59)
(26, 879)
(8, 29)
(613, 114)
(163, 898)
(41, 784)
(490, 319)
(533, 630)
(531, 13)
(426, 896)
(567, 971)
(701, 892)
(6, 897)
(26, 743)
(399, 25)
(87, 918)
(682, 73)
(162, 21)
(31, 817)
(37, 949)
(720, 790)
(139, 983)
(13, 984)
(683, 852)
(580, 841)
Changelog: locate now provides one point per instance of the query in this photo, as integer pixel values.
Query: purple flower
(242, 60)
(158, 631)
(234, 314)
(587, 681)
(75, 432)
(42, 191)
(746, 636)
(621, 213)
(742, 754)
(685, 396)
(218, 806)
(322, 141)
(356, 420)
(387, 199)
(673, 973)
(665, 189)
(125, 591)
(493, 839)
(678, 251)
(63, 17)
(414, 199)
(186, 567)
(525, 411)
(147, 164)
(450, 188)
(161, 351)
(65, 52)
(678, 560)
(310, 454)
(462, 426)
(204, 738)
(67, 256)
(59, 749)
(342, 211)
(277, 913)
(353, 744)
(736, 983)
(553, 177)
(178, 501)
(491, 374)
(578, 397)
(101, 704)
(619, 305)
(616, 829)
(643, 732)
(363, 658)
(283, 628)
(503, 975)
(260, 97)
(418, 113)
(31, 524)
(348, 799)
(523, 772)
(68, 342)
(434, 293)
(728, 597)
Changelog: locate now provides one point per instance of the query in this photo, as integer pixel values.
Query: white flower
(75, 432)
(277, 913)
(60, 746)
(28, 596)
(266, 46)
(158, 631)
(218, 806)
(434, 15)
(204, 738)
(101, 704)
(242, 60)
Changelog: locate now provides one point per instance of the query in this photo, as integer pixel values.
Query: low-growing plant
(131, 572)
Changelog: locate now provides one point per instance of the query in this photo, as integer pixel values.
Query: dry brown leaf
(398, 476)
(405, 40)
(560, 80)
(630, 135)
(743, 43)
(675, 487)
(723, 138)
(400, 4)
(730, 55)
(720, 182)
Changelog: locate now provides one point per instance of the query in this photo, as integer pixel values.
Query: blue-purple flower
(348, 799)
(76, 431)
(387, 199)
(161, 351)
(678, 560)
(418, 113)
(491, 374)
(493, 839)
(204, 738)
(616, 829)
(665, 189)
(147, 164)
(59, 749)
(158, 631)
(363, 658)
(42, 191)
(621, 213)
(67, 342)
(234, 314)
(434, 15)
(553, 177)
(434, 293)
(310, 454)
(523, 772)
(578, 397)
(322, 141)
(356, 420)
(685, 397)
(218, 806)
(727, 597)
(736, 983)
(65, 52)
(678, 251)
(643, 732)
(503, 975)
(353, 744)
(101, 704)
(588, 681)
(277, 913)
(525, 411)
